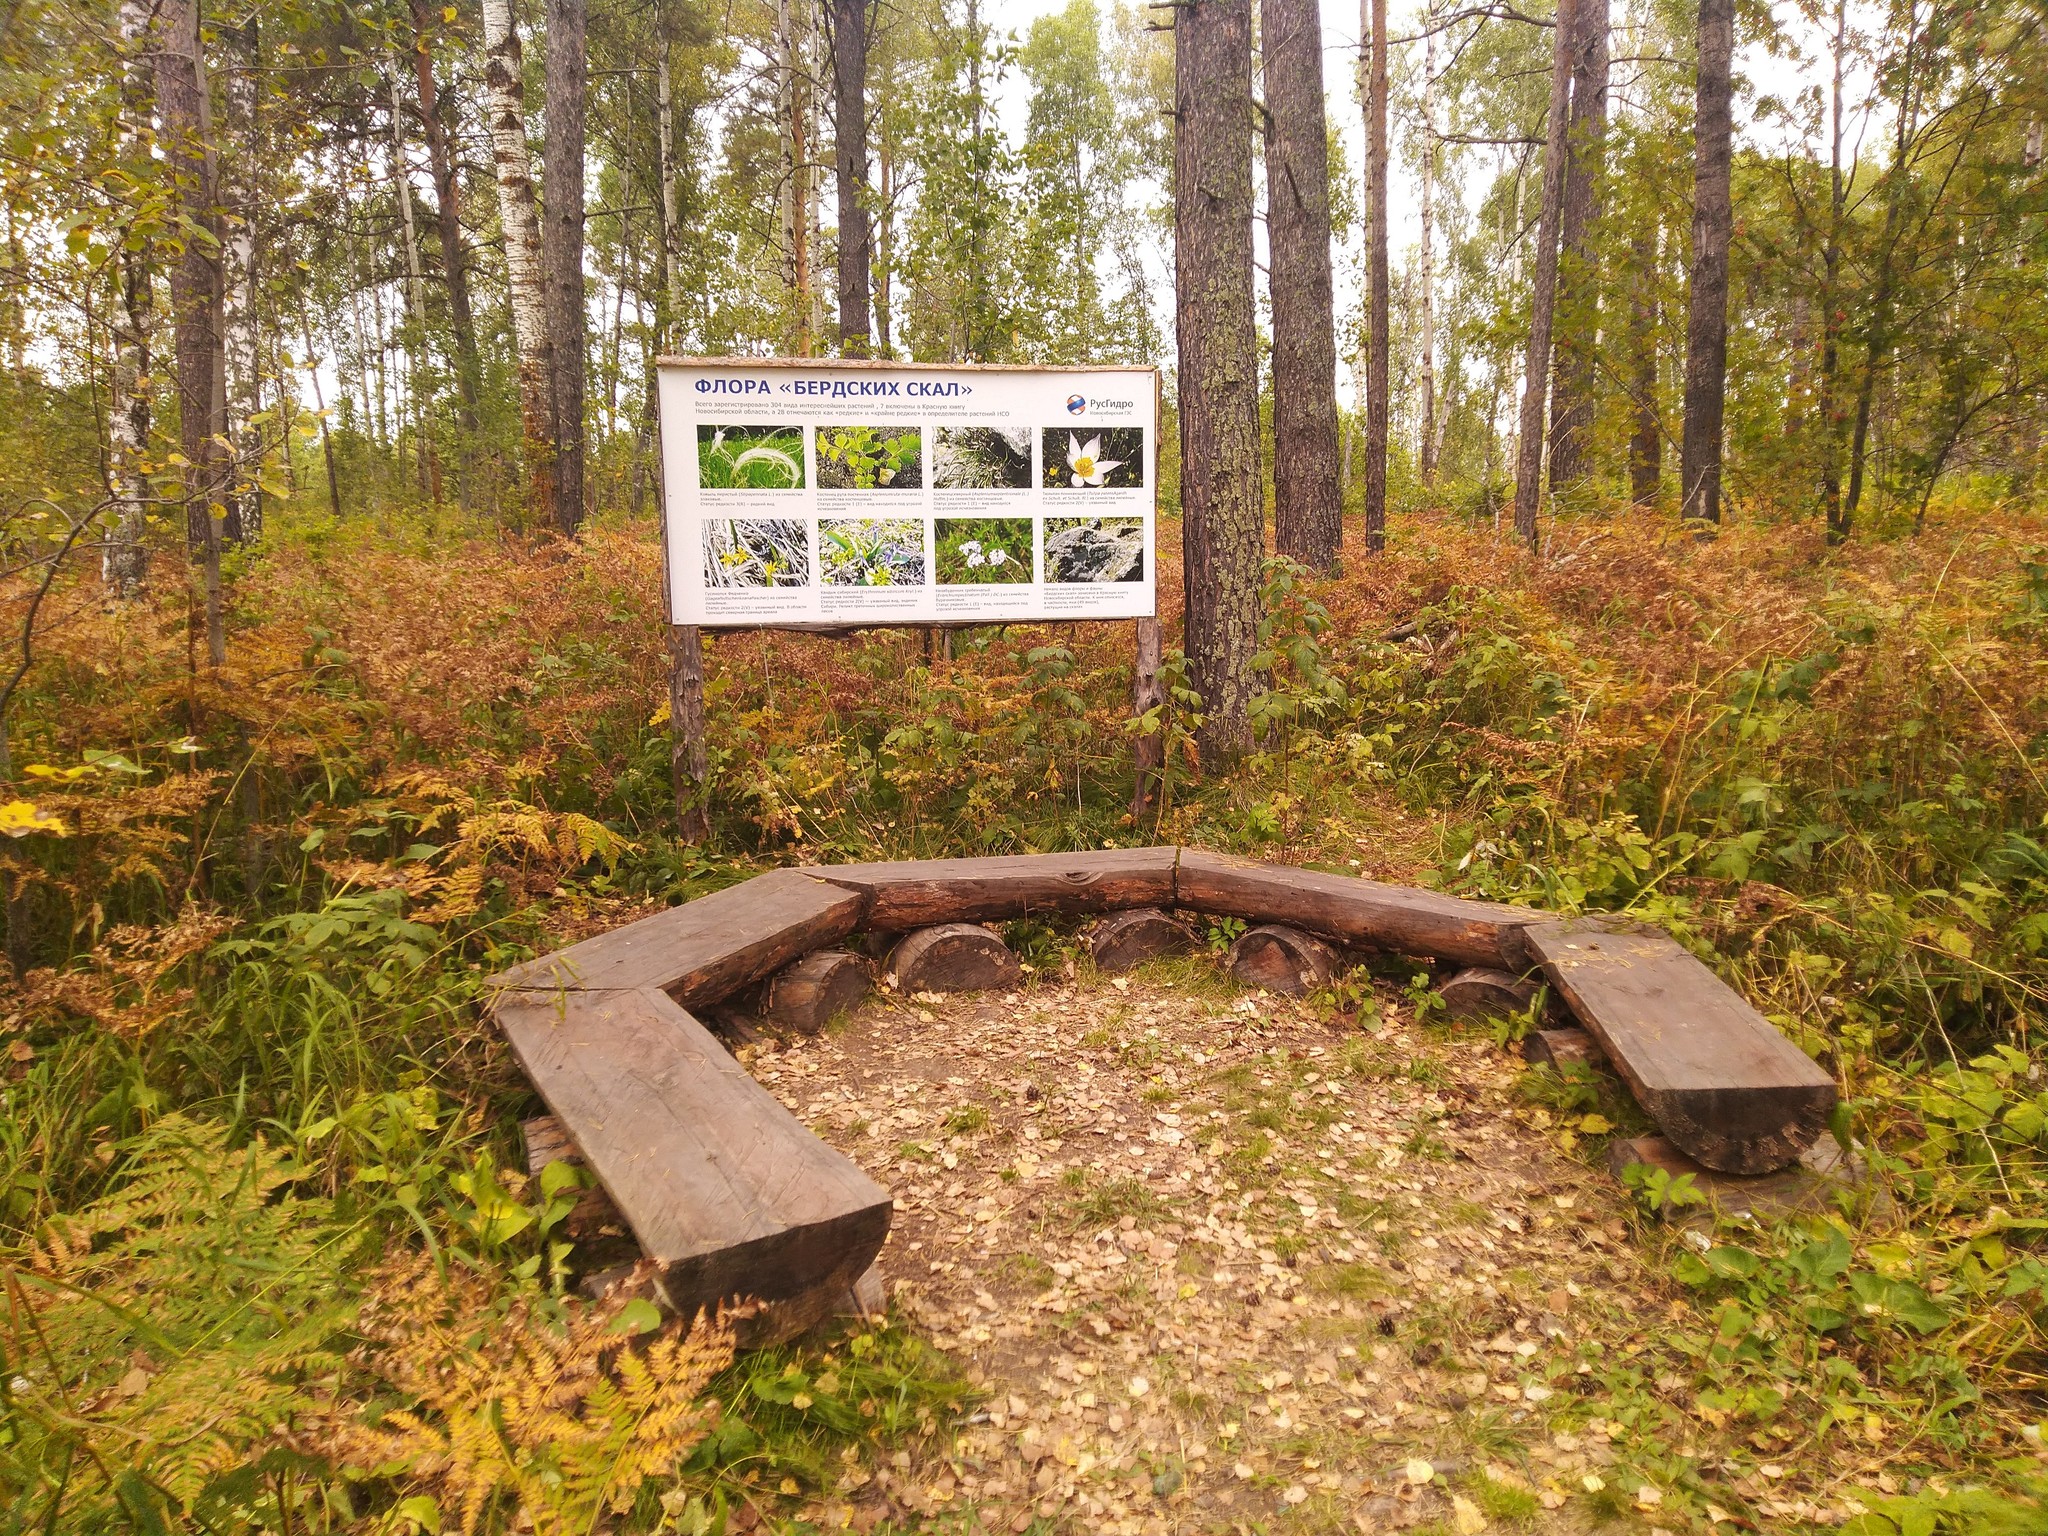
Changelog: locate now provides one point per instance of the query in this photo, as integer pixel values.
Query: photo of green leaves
(983, 551)
(872, 551)
(1108, 458)
(870, 458)
(756, 552)
(735, 458)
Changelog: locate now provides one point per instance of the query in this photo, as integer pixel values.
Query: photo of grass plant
(734, 458)
(872, 552)
(1111, 458)
(756, 552)
(982, 459)
(976, 551)
(870, 458)
(1090, 549)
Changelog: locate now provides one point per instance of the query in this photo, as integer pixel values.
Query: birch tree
(1374, 25)
(519, 218)
(1543, 283)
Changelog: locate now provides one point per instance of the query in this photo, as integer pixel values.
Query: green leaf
(637, 1316)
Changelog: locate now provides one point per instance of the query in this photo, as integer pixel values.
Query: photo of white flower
(1110, 458)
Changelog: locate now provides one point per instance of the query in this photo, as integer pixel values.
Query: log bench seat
(730, 1196)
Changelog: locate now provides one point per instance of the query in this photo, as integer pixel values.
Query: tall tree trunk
(1307, 500)
(1877, 334)
(320, 406)
(1426, 263)
(415, 282)
(1222, 525)
(1646, 445)
(850, 163)
(1571, 406)
(1713, 226)
(1377, 322)
(884, 236)
(793, 113)
(1543, 282)
(187, 133)
(1830, 384)
(434, 110)
(562, 249)
(668, 263)
(242, 351)
(126, 561)
(512, 162)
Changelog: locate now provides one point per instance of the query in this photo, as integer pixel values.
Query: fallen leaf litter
(1213, 1260)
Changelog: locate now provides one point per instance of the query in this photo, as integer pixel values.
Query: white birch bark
(518, 215)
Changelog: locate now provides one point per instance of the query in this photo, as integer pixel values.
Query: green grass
(750, 458)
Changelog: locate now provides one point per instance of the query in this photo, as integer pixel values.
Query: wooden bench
(730, 1196)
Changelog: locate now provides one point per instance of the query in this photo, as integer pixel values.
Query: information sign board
(801, 491)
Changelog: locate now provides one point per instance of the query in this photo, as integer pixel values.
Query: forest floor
(1217, 1261)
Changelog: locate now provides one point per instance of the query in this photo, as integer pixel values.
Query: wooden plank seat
(731, 1196)
(725, 1190)
(1720, 1081)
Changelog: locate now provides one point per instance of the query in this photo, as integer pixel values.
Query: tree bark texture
(1830, 384)
(568, 71)
(1376, 403)
(1646, 444)
(1543, 279)
(850, 165)
(1713, 224)
(1572, 386)
(241, 344)
(1222, 524)
(518, 215)
(187, 133)
(1307, 499)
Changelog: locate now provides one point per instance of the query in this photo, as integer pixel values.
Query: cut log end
(1124, 940)
(1562, 1047)
(954, 957)
(817, 989)
(1282, 959)
(1479, 992)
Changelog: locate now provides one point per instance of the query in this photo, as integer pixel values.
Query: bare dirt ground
(1218, 1263)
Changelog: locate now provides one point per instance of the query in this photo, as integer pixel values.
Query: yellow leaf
(1465, 1516)
(18, 818)
(1595, 1125)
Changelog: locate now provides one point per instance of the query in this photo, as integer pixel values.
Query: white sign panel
(811, 492)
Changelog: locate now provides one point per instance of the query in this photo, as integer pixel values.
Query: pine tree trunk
(512, 163)
(562, 250)
(1307, 499)
(454, 259)
(1646, 445)
(1222, 524)
(850, 163)
(126, 561)
(1713, 224)
(181, 96)
(1377, 299)
(1543, 283)
(793, 114)
(1426, 450)
(1572, 402)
